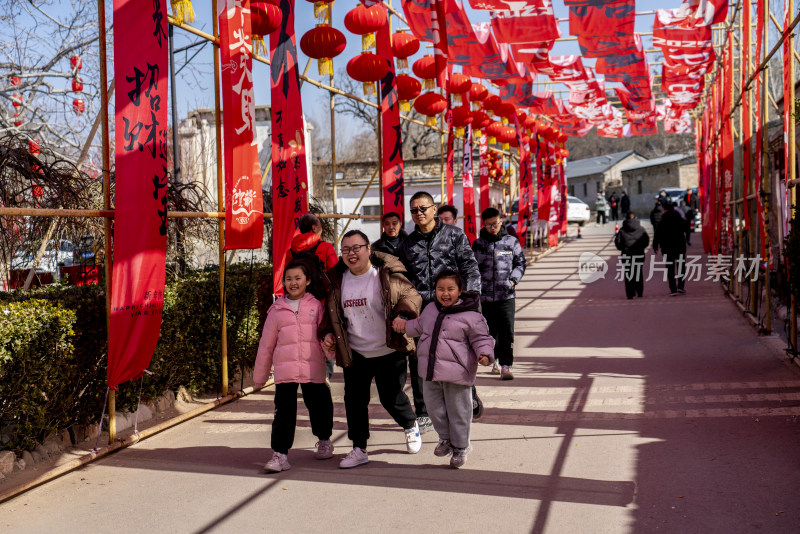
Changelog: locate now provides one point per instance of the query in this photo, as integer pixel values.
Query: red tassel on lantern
(323, 43)
(367, 68)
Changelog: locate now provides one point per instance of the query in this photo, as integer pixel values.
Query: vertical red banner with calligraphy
(525, 183)
(450, 156)
(788, 110)
(727, 153)
(244, 207)
(289, 173)
(758, 165)
(745, 72)
(141, 181)
(562, 212)
(468, 186)
(392, 180)
(483, 171)
(440, 53)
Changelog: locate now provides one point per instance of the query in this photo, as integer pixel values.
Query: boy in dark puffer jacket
(502, 264)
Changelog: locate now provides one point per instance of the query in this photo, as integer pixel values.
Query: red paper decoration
(404, 45)
(457, 85)
(425, 68)
(75, 62)
(323, 43)
(461, 117)
(491, 102)
(77, 84)
(265, 18)
(367, 68)
(480, 120)
(15, 81)
(477, 93)
(16, 100)
(37, 189)
(493, 131)
(365, 21)
(78, 106)
(506, 112)
(430, 104)
(408, 88)
(33, 146)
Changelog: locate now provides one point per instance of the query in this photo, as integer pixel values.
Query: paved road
(655, 415)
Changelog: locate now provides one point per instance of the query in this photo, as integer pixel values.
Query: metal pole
(176, 152)
(220, 206)
(101, 22)
(765, 182)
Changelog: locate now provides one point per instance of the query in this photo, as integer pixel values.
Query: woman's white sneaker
(279, 462)
(413, 439)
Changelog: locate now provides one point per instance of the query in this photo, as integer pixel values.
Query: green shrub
(188, 351)
(38, 372)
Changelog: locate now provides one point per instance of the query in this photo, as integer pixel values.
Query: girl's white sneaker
(279, 462)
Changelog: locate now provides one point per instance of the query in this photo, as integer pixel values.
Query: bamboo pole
(765, 181)
(220, 207)
(104, 97)
(753, 213)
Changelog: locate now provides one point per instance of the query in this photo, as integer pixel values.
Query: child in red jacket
(291, 345)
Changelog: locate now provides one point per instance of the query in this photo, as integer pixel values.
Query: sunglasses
(422, 209)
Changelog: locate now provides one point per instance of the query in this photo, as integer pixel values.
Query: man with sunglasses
(431, 247)
(368, 290)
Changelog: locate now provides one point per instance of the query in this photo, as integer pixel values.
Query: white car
(577, 211)
(52, 259)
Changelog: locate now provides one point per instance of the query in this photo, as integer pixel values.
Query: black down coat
(444, 247)
(670, 234)
(632, 240)
(501, 262)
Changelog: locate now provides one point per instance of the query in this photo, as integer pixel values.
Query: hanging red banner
(553, 226)
(450, 156)
(525, 182)
(758, 165)
(244, 208)
(727, 152)
(483, 170)
(140, 197)
(470, 226)
(788, 110)
(289, 173)
(745, 116)
(392, 172)
(439, 27)
(562, 210)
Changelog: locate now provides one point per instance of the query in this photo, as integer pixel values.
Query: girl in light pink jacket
(290, 343)
(453, 339)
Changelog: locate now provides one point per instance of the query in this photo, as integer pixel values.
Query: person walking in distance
(601, 206)
(632, 241)
(393, 234)
(367, 291)
(290, 343)
(689, 215)
(624, 203)
(454, 338)
(613, 204)
(502, 264)
(670, 237)
(431, 247)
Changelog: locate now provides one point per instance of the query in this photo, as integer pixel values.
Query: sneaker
(413, 441)
(354, 458)
(477, 406)
(279, 462)
(495, 369)
(324, 449)
(682, 291)
(505, 373)
(424, 423)
(673, 294)
(459, 457)
(443, 448)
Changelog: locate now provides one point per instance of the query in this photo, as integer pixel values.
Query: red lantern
(506, 112)
(18, 122)
(457, 85)
(365, 21)
(480, 120)
(367, 68)
(562, 138)
(323, 43)
(408, 88)
(493, 131)
(461, 117)
(16, 100)
(507, 136)
(75, 62)
(491, 103)
(37, 189)
(425, 68)
(477, 93)
(33, 146)
(430, 105)
(78, 106)
(265, 18)
(521, 117)
(77, 84)
(566, 153)
(321, 8)
(404, 45)
(15, 81)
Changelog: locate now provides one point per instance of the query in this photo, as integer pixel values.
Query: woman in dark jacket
(632, 241)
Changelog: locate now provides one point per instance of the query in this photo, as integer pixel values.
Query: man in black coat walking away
(632, 241)
(656, 214)
(625, 203)
(670, 237)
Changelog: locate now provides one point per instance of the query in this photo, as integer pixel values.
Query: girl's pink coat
(290, 343)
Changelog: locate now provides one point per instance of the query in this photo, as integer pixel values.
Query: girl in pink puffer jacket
(454, 339)
(291, 344)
